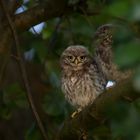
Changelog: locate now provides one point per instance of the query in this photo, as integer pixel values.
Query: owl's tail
(103, 54)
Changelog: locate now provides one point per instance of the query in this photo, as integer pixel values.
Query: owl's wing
(103, 54)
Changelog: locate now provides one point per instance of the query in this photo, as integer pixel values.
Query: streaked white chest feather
(79, 91)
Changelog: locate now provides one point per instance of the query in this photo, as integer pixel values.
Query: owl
(82, 80)
(84, 76)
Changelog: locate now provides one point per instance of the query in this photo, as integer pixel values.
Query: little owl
(82, 81)
(85, 76)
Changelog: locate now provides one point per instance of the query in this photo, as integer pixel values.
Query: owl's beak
(76, 61)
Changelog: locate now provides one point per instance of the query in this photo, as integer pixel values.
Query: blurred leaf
(138, 137)
(5, 113)
(73, 2)
(33, 133)
(54, 104)
(127, 55)
(136, 105)
(47, 33)
(136, 80)
(123, 35)
(101, 132)
(136, 12)
(135, 27)
(14, 96)
(125, 120)
(40, 50)
(119, 8)
(84, 28)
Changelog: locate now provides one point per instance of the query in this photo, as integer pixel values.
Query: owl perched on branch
(82, 81)
(84, 76)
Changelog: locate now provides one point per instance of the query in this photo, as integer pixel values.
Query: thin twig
(23, 71)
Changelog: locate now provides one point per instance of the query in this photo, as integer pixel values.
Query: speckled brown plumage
(85, 76)
(104, 56)
(82, 82)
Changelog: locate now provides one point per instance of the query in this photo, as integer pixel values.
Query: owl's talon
(75, 113)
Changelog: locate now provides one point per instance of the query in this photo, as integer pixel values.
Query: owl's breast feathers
(82, 87)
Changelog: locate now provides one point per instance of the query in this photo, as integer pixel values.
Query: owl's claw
(75, 113)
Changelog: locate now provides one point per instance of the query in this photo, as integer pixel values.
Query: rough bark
(40, 13)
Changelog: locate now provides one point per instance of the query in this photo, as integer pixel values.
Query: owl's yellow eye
(82, 57)
(70, 57)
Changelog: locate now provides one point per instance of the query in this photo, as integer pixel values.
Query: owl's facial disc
(76, 60)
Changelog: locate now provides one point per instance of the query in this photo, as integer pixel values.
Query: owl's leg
(75, 113)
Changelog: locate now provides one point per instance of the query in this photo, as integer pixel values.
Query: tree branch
(94, 115)
(47, 10)
(39, 13)
(13, 5)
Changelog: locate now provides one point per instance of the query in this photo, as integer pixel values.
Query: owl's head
(75, 58)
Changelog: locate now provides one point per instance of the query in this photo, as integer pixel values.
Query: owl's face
(75, 58)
